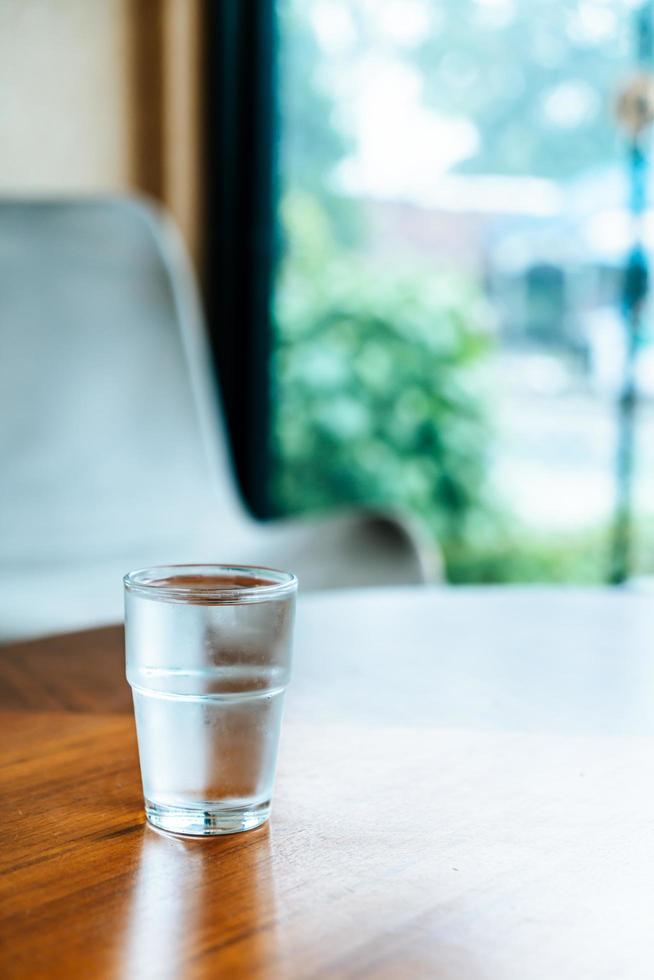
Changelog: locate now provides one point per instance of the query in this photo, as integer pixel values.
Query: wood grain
(453, 837)
(72, 672)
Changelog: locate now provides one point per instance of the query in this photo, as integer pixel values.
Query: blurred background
(455, 210)
(421, 235)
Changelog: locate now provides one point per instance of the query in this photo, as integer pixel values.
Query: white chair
(112, 449)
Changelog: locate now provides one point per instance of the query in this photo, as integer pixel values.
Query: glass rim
(150, 583)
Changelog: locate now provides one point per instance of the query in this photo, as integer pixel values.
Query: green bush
(504, 552)
(378, 374)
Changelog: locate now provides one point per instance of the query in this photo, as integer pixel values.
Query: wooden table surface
(465, 790)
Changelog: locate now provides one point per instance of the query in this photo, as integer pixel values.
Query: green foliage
(502, 552)
(536, 78)
(378, 382)
(379, 369)
(311, 146)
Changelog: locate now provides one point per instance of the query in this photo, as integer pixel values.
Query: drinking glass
(208, 660)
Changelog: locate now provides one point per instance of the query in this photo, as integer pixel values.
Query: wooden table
(465, 790)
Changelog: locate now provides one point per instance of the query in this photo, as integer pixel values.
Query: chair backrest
(110, 430)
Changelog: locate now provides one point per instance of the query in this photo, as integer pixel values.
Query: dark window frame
(240, 139)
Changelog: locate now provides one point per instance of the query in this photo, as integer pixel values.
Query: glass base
(206, 820)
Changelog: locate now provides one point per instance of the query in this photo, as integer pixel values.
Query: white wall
(64, 95)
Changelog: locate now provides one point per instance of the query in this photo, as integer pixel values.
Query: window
(447, 328)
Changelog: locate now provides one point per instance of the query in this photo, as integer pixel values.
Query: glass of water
(208, 659)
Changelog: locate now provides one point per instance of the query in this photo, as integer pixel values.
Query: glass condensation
(208, 660)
